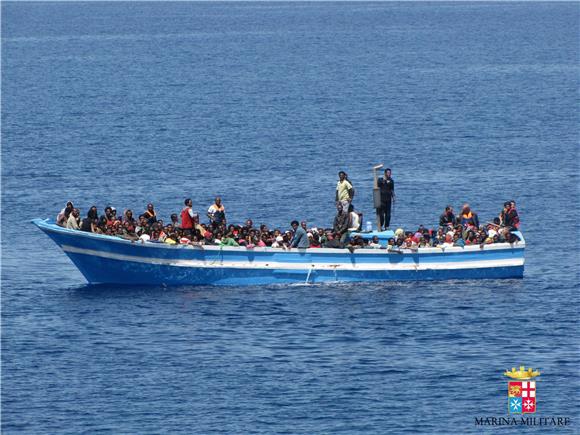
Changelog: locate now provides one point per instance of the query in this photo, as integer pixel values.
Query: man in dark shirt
(340, 226)
(150, 214)
(513, 215)
(387, 188)
(509, 216)
(447, 218)
(333, 242)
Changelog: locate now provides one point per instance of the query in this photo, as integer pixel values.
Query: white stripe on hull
(478, 264)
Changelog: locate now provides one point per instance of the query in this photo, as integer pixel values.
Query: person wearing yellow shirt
(344, 190)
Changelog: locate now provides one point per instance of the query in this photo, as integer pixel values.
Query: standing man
(340, 226)
(515, 218)
(217, 213)
(387, 188)
(344, 190)
(187, 217)
(150, 214)
(447, 219)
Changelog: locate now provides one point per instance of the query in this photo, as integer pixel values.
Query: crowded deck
(186, 228)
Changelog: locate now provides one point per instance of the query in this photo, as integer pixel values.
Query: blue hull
(103, 259)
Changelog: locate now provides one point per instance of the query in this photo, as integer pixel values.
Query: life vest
(219, 213)
(467, 219)
(186, 220)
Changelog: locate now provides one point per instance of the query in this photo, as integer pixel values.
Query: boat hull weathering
(105, 259)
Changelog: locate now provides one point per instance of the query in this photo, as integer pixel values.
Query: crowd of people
(186, 227)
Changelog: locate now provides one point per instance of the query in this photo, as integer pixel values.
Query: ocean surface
(263, 103)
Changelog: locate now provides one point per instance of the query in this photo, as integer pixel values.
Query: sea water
(126, 103)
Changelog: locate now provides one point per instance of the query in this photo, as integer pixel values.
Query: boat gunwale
(46, 224)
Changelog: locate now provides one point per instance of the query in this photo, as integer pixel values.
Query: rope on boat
(309, 272)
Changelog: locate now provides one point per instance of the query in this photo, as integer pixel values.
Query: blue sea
(126, 103)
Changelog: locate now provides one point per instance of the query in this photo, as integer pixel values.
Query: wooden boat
(109, 259)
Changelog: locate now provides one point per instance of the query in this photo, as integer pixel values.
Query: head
(294, 225)
(449, 209)
(303, 224)
(507, 205)
(174, 217)
(466, 209)
(76, 213)
(513, 204)
(218, 201)
(150, 207)
(388, 173)
(342, 175)
(188, 202)
(339, 208)
(375, 239)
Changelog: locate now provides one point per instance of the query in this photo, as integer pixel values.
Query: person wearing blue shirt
(300, 239)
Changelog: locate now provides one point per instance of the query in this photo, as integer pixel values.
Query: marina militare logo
(522, 393)
(523, 403)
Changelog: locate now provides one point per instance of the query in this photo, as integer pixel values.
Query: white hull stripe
(478, 264)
